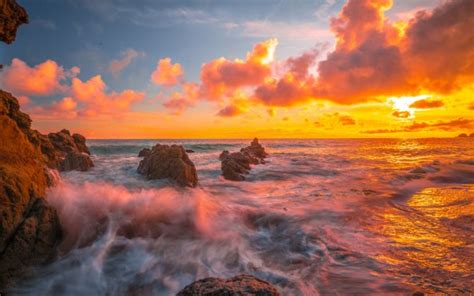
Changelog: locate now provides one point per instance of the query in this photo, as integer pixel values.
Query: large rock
(66, 152)
(241, 285)
(144, 152)
(236, 165)
(29, 227)
(12, 16)
(169, 162)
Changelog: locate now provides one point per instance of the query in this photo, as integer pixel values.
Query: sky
(240, 69)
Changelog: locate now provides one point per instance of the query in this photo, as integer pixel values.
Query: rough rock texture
(236, 165)
(241, 285)
(12, 16)
(144, 152)
(169, 162)
(66, 152)
(29, 227)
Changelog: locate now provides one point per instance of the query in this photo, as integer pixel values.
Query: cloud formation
(167, 73)
(425, 104)
(127, 57)
(229, 111)
(450, 125)
(41, 80)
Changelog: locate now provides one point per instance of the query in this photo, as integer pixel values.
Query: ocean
(320, 217)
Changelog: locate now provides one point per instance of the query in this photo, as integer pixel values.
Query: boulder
(144, 152)
(169, 162)
(189, 151)
(66, 152)
(236, 165)
(463, 135)
(12, 15)
(241, 285)
(78, 161)
(29, 227)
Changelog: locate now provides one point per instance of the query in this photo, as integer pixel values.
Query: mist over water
(320, 217)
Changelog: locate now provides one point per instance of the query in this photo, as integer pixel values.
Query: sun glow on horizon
(402, 104)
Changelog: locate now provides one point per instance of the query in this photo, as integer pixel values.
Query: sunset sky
(239, 69)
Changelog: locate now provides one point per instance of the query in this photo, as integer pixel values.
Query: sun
(402, 104)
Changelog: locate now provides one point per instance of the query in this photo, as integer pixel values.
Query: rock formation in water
(144, 152)
(169, 162)
(241, 285)
(236, 165)
(29, 227)
(12, 16)
(463, 135)
(67, 152)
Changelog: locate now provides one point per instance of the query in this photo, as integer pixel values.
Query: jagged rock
(241, 285)
(144, 152)
(29, 227)
(78, 161)
(236, 165)
(169, 162)
(12, 16)
(66, 152)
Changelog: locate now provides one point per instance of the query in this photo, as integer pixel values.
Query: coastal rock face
(169, 162)
(66, 152)
(29, 227)
(241, 285)
(236, 165)
(144, 152)
(12, 16)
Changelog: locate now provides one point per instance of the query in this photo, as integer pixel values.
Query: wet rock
(29, 227)
(78, 161)
(239, 286)
(236, 165)
(169, 162)
(189, 151)
(66, 152)
(144, 152)
(12, 15)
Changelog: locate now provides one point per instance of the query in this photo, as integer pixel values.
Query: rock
(241, 285)
(471, 135)
(78, 161)
(12, 16)
(235, 165)
(463, 135)
(63, 147)
(169, 162)
(144, 152)
(29, 227)
(189, 151)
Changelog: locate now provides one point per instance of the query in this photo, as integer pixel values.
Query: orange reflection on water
(431, 236)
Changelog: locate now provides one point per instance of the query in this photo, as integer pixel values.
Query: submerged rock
(78, 161)
(241, 285)
(12, 15)
(144, 152)
(236, 165)
(29, 227)
(169, 162)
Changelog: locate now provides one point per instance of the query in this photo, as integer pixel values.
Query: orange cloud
(96, 101)
(179, 101)
(425, 104)
(167, 73)
(41, 80)
(222, 77)
(451, 125)
(471, 107)
(230, 111)
(401, 114)
(346, 120)
(118, 65)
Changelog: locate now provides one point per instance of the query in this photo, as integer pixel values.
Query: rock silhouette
(12, 16)
(236, 165)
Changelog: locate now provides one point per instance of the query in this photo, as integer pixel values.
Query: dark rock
(29, 227)
(241, 285)
(144, 152)
(169, 162)
(463, 135)
(12, 16)
(235, 165)
(189, 151)
(80, 142)
(471, 135)
(78, 161)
